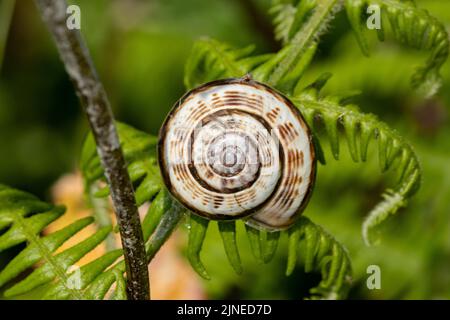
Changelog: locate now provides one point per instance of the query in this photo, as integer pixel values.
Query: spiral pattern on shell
(236, 148)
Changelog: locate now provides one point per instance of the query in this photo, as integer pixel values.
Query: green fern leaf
(359, 129)
(173, 212)
(227, 230)
(323, 253)
(412, 26)
(197, 233)
(284, 13)
(33, 252)
(289, 17)
(22, 218)
(120, 291)
(58, 265)
(139, 150)
(301, 32)
(82, 278)
(99, 288)
(319, 250)
(263, 244)
(211, 60)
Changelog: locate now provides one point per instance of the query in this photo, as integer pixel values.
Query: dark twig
(81, 70)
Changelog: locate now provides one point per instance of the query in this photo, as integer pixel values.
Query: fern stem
(166, 226)
(304, 38)
(81, 70)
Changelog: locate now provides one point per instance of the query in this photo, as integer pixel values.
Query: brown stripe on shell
(238, 95)
(218, 201)
(296, 157)
(291, 129)
(238, 103)
(200, 111)
(233, 92)
(243, 96)
(294, 160)
(285, 199)
(242, 198)
(287, 132)
(273, 114)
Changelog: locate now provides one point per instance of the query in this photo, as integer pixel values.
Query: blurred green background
(140, 47)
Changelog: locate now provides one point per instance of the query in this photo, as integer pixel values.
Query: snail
(236, 148)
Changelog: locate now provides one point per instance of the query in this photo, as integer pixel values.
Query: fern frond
(197, 233)
(81, 278)
(120, 291)
(99, 288)
(171, 214)
(264, 244)
(321, 252)
(310, 21)
(22, 218)
(227, 230)
(284, 13)
(57, 266)
(211, 60)
(289, 16)
(318, 249)
(139, 150)
(284, 70)
(411, 26)
(21, 213)
(359, 130)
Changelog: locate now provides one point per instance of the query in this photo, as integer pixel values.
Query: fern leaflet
(22, 218)
(412, 26)
(359, 129)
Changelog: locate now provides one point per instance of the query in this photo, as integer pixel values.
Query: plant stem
(304, 38)
(166, 226)
(81, 70)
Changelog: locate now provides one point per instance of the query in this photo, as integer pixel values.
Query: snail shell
(236, 148)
